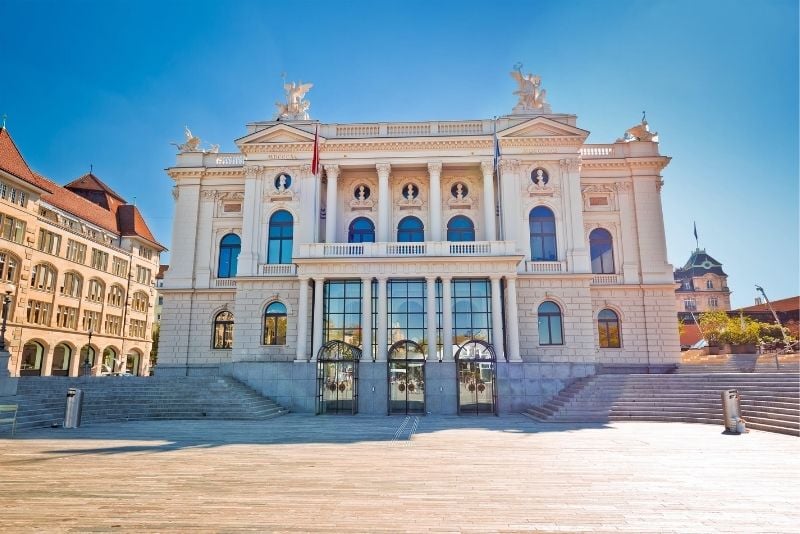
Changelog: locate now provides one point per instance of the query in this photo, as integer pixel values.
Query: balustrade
(545, 267)
(605, 279)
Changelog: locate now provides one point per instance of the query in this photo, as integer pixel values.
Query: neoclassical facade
(442, 266)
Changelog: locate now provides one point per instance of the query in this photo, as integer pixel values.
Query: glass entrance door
(477, 379)
(337, 378)
(406, 378)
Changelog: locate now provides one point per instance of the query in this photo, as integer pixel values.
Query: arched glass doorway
(62, 359)
(406, 378)
(337, 378)
(32, 356)
(476, 365)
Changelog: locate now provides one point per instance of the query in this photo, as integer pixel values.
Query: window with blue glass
(460, 228)
(281, 233)
(543, 234)
(410, 230)
(407, 312)
(361, 230)
(472, 310)
(341, 308)
(551, 331)
(229, 248)
(601, 250)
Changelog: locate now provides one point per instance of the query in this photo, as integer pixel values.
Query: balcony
(545, 267)
(400, 250)
(225, 283)
(277, 269)
(606, 279)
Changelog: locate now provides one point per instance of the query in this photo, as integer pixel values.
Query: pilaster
(384, 205)
(366, 319)
(577, 250)
(184, 233)
(205, 240)
(512, 321)
(248, 257)
(301, 354)
(490, 233)
(435, 200)
(629, 242)
(316, 335)
(430, 311)
(331, 203)
(509, 198)
(447, 319)
(497, 318)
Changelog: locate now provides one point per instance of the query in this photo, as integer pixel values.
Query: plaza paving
(376, 474)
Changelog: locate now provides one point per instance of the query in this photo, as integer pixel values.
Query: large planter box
(748, 348)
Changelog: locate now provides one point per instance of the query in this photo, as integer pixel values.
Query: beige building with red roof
(78, 265)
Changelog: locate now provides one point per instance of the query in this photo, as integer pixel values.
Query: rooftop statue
(295, 108)
(640, 132)
(530, 92)
(192, 144)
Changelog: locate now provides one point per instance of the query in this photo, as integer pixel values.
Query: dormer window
(709, 284)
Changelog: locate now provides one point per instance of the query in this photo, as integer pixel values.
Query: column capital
(445, 277)
(487, 167)
(509, 165)
(431, 278)
(495, 277)
(332, 171)
(304, 278)
(383, 169)
(434, 167)
(367, 278)
(382, 277)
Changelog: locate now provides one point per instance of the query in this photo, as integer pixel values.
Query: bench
(6, 409)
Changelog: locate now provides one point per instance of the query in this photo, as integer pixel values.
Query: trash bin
(731, 409)
(72, 413)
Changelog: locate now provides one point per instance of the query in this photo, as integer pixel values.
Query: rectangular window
(67, 317)
(21, 199)
(12, 229)
(99, 259)
(38, 312)
(713, 302)
(3, 190)
(690, 304)
(12, 195)
(49, 242)
(472, 310)
(113, 324)
(137, 328)
(119, 266)
(76, 251)
(342, 311)
(143, 275)
(407, 311)
(91, 319)
(146, 253)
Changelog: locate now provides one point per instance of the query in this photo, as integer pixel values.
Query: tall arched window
(109, 361)
(116, 295)
(32, 356)
(361, 231)
(140, 301)
(95, 291)
(281, 232)
(72, 285)
(608, 329)
(460, 228)
(8, 267)
(542, 224)
(275, 324)
(551, 331)
(43, 277)
(602, 251)
(87, 357)
(62, 357)
(229, 248)
(410, 230)
(223, 330)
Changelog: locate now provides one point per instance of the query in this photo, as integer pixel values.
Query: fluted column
(302, 322)
(430, 311)
(435, 204)
(366, 319)
(487, 167)
(331, 203)
(497, 318)
(384, 204)
(447, 320)
(510, 199)
(383, 327)
(512, 321)
(316, 336)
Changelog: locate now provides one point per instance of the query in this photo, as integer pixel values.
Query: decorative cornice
(509, 165)
(208, 194)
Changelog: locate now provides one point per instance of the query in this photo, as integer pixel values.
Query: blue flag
(695, 231)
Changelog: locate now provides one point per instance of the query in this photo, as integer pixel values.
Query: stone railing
(383, 250)
(357, 130)
(598, 151)
(225, 282)
(605, 279)
(411, 129)
(277, 269)
(544, 267)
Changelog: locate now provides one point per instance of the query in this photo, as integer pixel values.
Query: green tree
(154, 350)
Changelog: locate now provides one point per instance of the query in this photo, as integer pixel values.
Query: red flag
(315, 157)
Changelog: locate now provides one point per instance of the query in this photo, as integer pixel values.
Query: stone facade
(552, 222)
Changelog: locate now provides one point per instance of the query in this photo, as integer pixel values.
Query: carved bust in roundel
(539, 177)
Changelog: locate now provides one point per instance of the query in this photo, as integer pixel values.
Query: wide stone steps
(769, 401)
(42, 401)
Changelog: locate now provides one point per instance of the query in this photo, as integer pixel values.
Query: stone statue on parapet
(530, 92)
(295, 108)
(640, 132)
(192, 144)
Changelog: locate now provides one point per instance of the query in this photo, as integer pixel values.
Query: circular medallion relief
(539, 176)
(361, 192)
(410, 191)
(283, 181)
(459, 190)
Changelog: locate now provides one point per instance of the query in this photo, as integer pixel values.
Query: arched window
(275, 324)
(608, 329)
(8, 267)
(223, 330)
(116, 295)
(132, 362)
(542, 224)
(281, 232)
(361, 231)
(72, 285)
(602, 251)
(140, 301)
(460, 228)
(410, 230)
(109, 361)
(43, 277)
(87, 357)
(62, 357)
(95, 292)
(32, 356)
(550, 328)
(229, 248)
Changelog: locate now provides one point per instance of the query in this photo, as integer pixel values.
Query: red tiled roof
(90, 182)
(163, 268)
(131, 222)
(75, 204)
(782, 305)
(12, 162)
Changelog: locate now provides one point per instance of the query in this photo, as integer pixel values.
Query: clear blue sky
(112, 83)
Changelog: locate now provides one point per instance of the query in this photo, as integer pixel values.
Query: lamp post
(6, 302)
(777, 321)
(87, 368)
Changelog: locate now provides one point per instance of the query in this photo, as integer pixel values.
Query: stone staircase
(112, 399)
(770, 401)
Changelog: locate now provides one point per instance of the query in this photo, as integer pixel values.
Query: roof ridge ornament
(531, 95)
(295, 108)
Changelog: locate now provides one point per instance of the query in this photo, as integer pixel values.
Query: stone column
(316, 335)
(331, 203)
(366, 319)
(447, 320)
(205, 240)
(628, 249)
(490, 233)
(430, 310)
(383, 327)
(578, 247)
(497, 318)
(509, 199)
(435, 200)
(512, 321)
(302, 321)
(384, 205)
(248, 257)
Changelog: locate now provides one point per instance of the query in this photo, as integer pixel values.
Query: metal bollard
(72, 413)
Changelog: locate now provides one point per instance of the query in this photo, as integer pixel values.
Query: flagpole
(496, 174)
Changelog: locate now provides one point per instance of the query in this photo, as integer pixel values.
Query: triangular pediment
(279, 133)
(543, 127)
